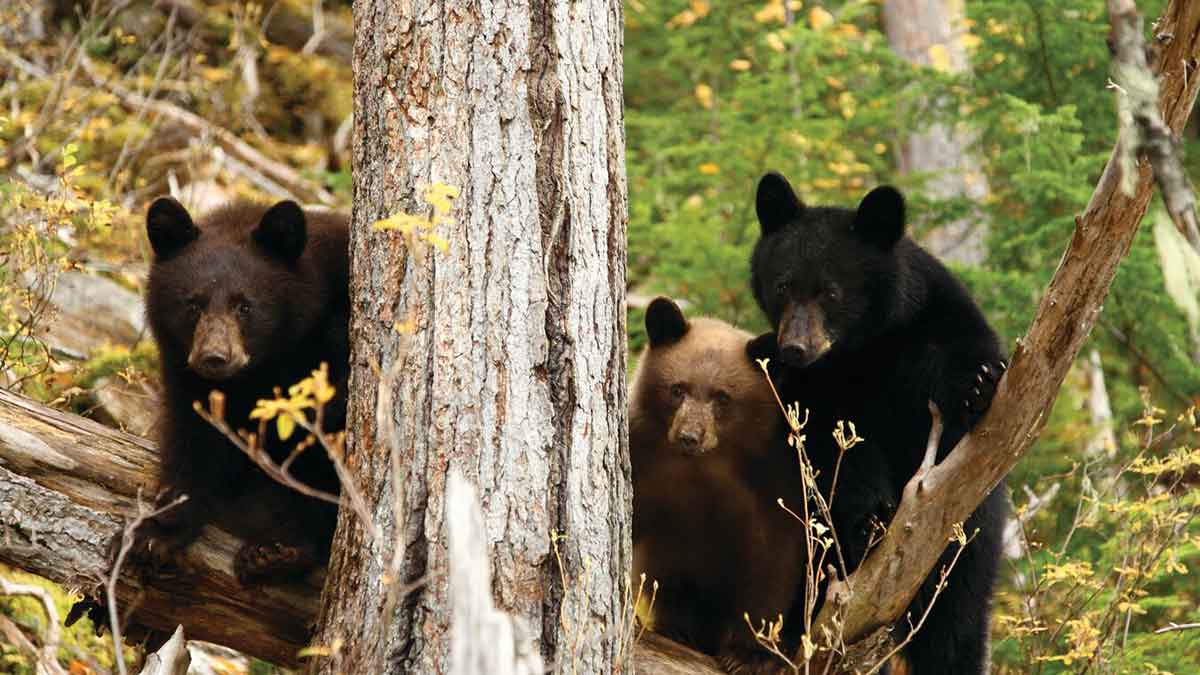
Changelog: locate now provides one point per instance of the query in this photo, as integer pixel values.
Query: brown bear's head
(697, 387)
(230, 293)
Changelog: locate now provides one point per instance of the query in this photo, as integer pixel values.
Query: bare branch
(1142, 125)
(238, 149)
(1177, 626)
(110, 587)
(170, 659)
(47, 656)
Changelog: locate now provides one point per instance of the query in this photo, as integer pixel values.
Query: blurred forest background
(994, 117)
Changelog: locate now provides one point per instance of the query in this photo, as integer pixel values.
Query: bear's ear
(764, 346)
(880, 217)
(776, 203)
(169, 227)
(664, 322)
(282, 231)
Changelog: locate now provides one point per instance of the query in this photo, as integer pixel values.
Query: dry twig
(47, 656)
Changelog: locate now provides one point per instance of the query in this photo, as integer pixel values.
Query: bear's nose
(689, 439)
(212, 361)
(793, 355)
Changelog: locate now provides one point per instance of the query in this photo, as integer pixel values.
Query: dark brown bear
(706, 477)
(244, 300)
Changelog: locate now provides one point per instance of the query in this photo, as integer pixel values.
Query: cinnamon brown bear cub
(706, 477)
(868, 327)
(245, 299)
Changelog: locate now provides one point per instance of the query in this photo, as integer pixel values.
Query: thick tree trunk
(512, 342)
(926, 33)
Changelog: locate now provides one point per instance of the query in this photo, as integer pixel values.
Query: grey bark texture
(941, 150)
(512, 345)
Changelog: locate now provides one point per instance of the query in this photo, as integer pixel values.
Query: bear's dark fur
(244, 300)
(706, 525)
(868, 328)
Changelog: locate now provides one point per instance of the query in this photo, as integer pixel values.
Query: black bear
(706, 524)
(868, 328)
(245, 300)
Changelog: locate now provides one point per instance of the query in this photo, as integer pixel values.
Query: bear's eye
(193, 308)
(677, 392)
(243, 308)
(783, 287)
(722, 398)
(833, 293)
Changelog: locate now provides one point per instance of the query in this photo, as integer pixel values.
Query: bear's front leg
(275, 561)
(159, 542)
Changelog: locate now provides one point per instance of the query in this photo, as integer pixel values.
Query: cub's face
(822, 275)
(219, 298)
(699, 386)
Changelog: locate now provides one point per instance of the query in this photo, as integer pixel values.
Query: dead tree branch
(47, 656)
(1142, 124)
(277, 172)
(946, 495)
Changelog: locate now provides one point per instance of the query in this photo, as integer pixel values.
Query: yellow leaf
(772, 11)
(834, 82)
(969, 40)
(880, 148)
(849, 105)
(285, 425)
(740, 65)
(215, 75)
(683, 19)
(939, 58)
(709, 169)
(847, 30)
(775, 42)
(704, 94)
(818, 18)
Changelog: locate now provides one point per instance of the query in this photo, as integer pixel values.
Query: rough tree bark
(919, 30)
(512, 347)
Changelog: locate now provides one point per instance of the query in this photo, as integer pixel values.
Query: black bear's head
(229, 293)
(823, 275)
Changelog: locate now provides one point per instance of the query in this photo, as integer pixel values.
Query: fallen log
(67, 484)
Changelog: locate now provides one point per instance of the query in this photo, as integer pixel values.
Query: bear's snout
(803, 337)
(693, 429)
(218, 352)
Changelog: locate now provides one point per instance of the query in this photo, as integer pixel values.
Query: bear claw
(979, 399)
(258, 562)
